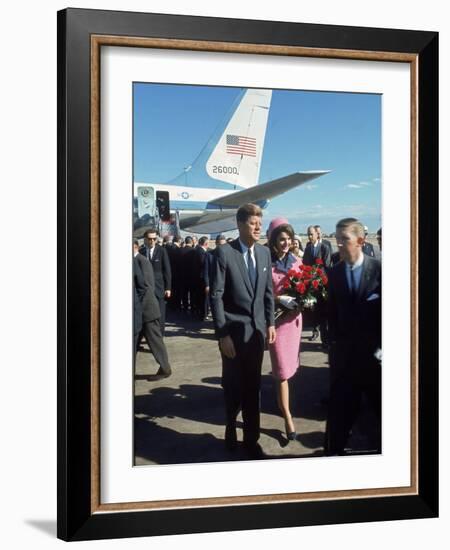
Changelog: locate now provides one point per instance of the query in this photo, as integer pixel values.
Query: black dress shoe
(163, 374)
(292, 436)
(254, 450)
(230, 438)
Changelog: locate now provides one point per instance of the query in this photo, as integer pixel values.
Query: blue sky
(340, 132)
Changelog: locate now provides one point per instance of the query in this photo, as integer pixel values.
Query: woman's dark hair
(283, 228)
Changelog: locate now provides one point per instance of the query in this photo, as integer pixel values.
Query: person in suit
(315, 250)
(367, 248)
(354, 307)
(198, 278)
(284, 352)
(242, 306)
(138, 295)
(151, 314)
(161, 268)
(322, 240)
(210, 265)
(186, 266)
(174, 253)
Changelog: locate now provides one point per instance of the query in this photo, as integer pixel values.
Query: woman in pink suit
(284, 352)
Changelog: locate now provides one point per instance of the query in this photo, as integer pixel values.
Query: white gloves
(287, 301)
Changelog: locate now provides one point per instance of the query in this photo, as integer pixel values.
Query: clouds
(328, 214)
(362, 184)
(310, 187)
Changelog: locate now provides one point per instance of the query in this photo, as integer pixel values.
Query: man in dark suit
(315, 250)
(322, 240)
(242, 305)
(367, 248)
(161, 268)
(186, 266)
(151, 314)
(198, 278)
(138, 295)
(354, 307)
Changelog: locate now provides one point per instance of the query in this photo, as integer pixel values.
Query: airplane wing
(215, 221)
(267, 190)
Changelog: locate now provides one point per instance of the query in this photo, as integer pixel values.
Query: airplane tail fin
(236, 158)
(233, 153)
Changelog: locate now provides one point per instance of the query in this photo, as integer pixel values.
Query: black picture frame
(78, 515)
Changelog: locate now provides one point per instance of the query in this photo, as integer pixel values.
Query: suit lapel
(343, 278)
(365, 278)
(259, 267)
(242, 266)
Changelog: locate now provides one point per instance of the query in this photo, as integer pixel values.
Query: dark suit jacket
(161, 269)
(237, 309)
(200, 258)
(355, 323)
(150, 306)
(324, 253)
(367, 248)
(138, 296)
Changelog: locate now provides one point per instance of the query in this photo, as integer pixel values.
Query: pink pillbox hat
(274, 224)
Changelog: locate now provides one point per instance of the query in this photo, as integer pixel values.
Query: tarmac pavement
(181, 419)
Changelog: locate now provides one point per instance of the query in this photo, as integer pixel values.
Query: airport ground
(181, 419)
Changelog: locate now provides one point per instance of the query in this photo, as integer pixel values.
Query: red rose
(286, 284)
(319, 271)
(315, 283)
(302, 288)
(325, 280)
(307, 268)
(292, 273)
(319, 261)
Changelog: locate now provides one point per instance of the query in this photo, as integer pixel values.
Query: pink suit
(284, 353)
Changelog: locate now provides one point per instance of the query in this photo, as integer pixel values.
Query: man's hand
(206, 289)
(167, 293)
(226, 346)
(271, 335)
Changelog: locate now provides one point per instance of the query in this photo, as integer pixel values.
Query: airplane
(233, 157)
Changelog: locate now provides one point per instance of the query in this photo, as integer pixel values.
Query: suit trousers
(154, 339)
(162, 309)
(347, 389)
(241, 382)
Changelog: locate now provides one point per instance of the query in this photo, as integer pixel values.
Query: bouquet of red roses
(306, 285)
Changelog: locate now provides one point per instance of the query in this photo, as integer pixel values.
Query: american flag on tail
(240, 145)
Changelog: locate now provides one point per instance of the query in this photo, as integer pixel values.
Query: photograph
(277, 356)
(247, 366)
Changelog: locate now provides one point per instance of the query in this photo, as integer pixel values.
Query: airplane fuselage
(188, 199)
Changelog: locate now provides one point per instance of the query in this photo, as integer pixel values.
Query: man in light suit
(151, 314)
(354, 309)
(161, 268)
(242, 306)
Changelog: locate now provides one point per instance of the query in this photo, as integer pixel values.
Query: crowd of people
(241, 283)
